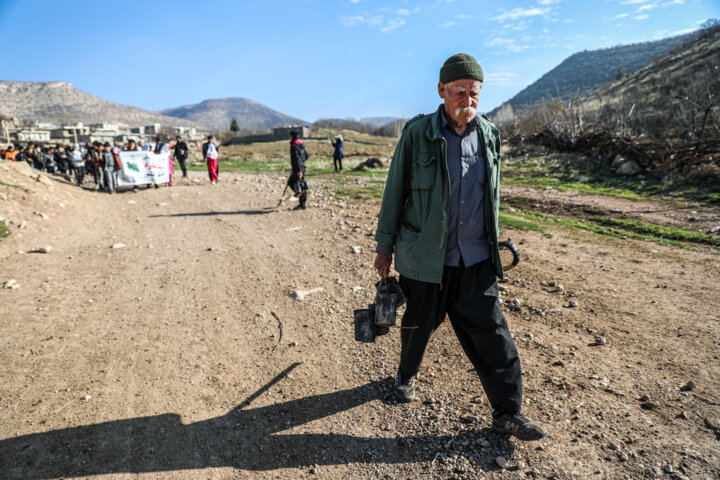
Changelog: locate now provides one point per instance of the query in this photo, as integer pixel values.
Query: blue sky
(315, 59)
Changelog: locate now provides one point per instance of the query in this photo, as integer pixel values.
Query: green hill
(584, 71)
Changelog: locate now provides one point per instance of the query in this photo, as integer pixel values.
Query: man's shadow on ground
(243, 439)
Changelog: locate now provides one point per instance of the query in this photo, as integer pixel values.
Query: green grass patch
(566, 171)
(8, 185)
(659, 231)
(4, 231)
(564, 185)
(621, 229)
(511, 223)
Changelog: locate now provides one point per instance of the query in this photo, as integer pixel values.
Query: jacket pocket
(424, 170)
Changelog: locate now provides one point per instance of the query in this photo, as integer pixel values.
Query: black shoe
(300, 207)
(405, 391)
(518, 425)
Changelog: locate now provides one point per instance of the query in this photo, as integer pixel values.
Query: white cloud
(519, 12)
(632, 2)
(464, 16)
(447, 24)
(548, 2)
(621, 15)
(377, 21)
(683, 31)
(647, 6)
(352, 21)
(642, 17)
(503, 79)
(509, 44)
(354, 1)
(393, 24)
(403, 11)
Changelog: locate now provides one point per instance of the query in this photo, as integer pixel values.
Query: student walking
(180, 153)
(297, 182)
(337, 143)
(210, 154)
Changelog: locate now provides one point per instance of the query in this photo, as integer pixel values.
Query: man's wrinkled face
(461, 100)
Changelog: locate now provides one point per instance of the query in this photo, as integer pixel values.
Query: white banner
(141, 168)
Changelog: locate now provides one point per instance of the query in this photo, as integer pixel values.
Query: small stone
(86, 398)
(45, 249)
(683, 415)
(301, 294)
(501, 462)
(118, 245)
(132, 202)
(689, 386)
(649, 405)
(357, 289)
(356, 249)
(600, 340)
(483, 443)
(293, 344)
(668, 468)
(559, 288)
(11, 284)
(573, 304)
(714, 229)
(44, 180)
(469, 419)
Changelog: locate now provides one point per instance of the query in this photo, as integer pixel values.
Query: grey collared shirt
(466, 220)
(466, 226)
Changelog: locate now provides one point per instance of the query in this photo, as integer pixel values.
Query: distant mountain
(60, 102)
(217, 113)
(587, 70)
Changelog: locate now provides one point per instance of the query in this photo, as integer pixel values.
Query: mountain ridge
(61, 102)
(217, 113)
(585, 71)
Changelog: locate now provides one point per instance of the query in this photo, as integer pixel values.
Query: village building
(33, 134)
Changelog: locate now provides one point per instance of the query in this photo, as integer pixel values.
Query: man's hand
(382, 264)
(299, 175)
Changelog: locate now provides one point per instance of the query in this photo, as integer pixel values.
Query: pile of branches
(698, 161)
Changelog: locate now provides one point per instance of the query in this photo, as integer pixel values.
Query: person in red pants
(210, 154)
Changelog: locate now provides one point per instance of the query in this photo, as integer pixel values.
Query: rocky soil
(198, 332)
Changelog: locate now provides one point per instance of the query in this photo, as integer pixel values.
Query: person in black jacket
(298, 156)
(180, 153)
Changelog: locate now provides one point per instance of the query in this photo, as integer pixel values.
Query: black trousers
(337, 161)
(469, 296)
(183, 167)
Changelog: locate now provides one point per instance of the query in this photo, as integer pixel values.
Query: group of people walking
(96, 159)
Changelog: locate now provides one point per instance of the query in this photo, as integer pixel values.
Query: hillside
(217, 113)
(61, 102)
(587, 70)
(690, 71)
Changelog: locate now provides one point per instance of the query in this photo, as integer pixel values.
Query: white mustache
(462, 110)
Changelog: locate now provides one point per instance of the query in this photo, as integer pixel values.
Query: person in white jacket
(210, 154)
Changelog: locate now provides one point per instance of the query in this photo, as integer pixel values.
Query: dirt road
(186, 354)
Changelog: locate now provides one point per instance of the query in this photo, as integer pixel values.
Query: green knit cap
(461, 66)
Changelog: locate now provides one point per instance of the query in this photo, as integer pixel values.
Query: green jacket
(417, 194)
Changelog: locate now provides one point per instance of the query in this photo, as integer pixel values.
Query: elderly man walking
(439, 217)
